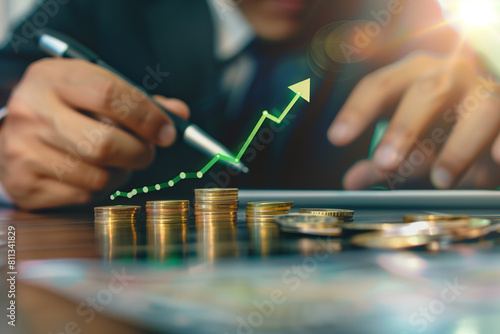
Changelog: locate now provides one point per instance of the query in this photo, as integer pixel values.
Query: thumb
(175, 106)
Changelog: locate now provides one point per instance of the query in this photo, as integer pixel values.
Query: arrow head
(304, 88)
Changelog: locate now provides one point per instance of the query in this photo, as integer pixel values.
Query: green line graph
(301, 89)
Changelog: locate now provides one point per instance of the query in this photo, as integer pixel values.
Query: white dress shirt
(233, 33)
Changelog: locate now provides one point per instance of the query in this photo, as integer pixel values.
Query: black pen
(59, 45)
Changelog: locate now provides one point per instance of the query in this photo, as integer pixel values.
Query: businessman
(221, 63)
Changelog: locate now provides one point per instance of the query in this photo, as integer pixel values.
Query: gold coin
(166, 216)
(267, 215)
(118, 208)
(210, 221)
(185, 208)
(269, 204)
(167, 209)
(328, 212)
(162, 213)
(295, 220)
(217, 202)
(211, 206)
(366, 226)
(330, 231)
(377, 240)
(217, 215)
(250, 210)
(97, 215)
(260, 220)
(215, 190)
(270, 211)
(168, 202)
(121, 214)
(216, 198)
(216, 205)
(457, 228)
(418, 218)
(475, 229)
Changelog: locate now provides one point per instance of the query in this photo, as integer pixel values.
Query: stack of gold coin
(264, 212)
(167, 211)
(118, 213)
(216, 205)
(343, 216)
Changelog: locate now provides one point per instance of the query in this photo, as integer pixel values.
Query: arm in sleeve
(73, 17)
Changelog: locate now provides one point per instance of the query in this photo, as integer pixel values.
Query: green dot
(112, 197)
(300, 93)
(171, 183)
(236, 160)
(199, 174)
(129, 195)
(183, 175)
(134, 192)
(218, 155)
(157, 187)
(118, 193)
(265, 113)
(145, 190)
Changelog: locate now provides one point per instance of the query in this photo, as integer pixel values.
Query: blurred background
(11, 11)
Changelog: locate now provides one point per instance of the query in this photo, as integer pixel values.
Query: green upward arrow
(301, 90)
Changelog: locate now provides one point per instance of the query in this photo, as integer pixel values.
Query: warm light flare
(475, 13)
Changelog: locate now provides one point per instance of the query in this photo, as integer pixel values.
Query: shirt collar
(233, 32)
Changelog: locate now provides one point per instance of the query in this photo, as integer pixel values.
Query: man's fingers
(495, 150)
(475, 129)
(50, 193)
(375, 93)
(176, 106)
(364, 174)
(74, 171)
(105, 94)
(81, 137)
(482, 174)
(428, 97)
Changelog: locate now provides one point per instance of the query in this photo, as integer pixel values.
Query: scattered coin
(378, 240)
(429, 233)
(309, 224)
(419, 218)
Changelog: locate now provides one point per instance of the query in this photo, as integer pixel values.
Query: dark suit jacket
(178, 37)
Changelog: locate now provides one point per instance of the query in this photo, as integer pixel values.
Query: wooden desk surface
(75, 236)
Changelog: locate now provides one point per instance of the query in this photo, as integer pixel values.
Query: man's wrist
(4, 197)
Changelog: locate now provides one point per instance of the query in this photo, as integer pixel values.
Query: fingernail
(339, 132)
(386, 157)
(167, 135)
(441, 178)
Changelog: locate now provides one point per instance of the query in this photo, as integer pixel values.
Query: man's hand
(73, 130)
(433, 94)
